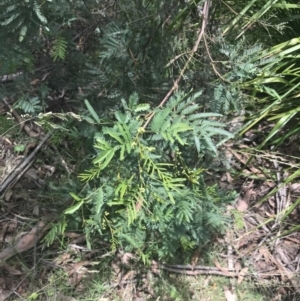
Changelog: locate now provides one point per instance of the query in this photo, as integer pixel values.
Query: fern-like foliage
(29, 105)
(242, 64)
(59, 48)
(145, 193)
(21, 17)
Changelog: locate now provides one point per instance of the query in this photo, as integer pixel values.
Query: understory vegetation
(150, 105)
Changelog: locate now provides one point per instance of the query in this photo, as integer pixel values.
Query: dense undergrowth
(146, 95)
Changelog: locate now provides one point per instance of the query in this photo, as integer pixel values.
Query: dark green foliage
(29, 105)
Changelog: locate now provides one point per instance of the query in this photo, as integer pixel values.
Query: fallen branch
(21, 169)
(190, 270)
(9, 77)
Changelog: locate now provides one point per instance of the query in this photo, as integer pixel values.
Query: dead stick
(195, 48)
(19, 170)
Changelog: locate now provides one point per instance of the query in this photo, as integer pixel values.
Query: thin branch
(213, 62)
(194, 50)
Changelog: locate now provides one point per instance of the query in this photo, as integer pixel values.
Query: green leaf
(88, 119)
(114, 135)
(214, 131)
(99, 200)
(33, 296)
(210, 144)
(9, 20)
(73, 208)
(279, 125)
(123, 128)
(190, 109)
(133, 100)
(122, 151)
(108, 159)
(142, 107)
(199, 116)
(197, 143)
(102, 144)
(124, 103)
(39, 14)
(103, 155)
(19, 148)
(74, 196)
(92, 111)
(121, 117)
(23, 32)
(159, 120)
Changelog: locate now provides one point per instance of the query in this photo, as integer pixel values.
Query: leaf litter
(259, 247)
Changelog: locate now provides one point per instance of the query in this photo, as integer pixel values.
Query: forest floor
(256, 259)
